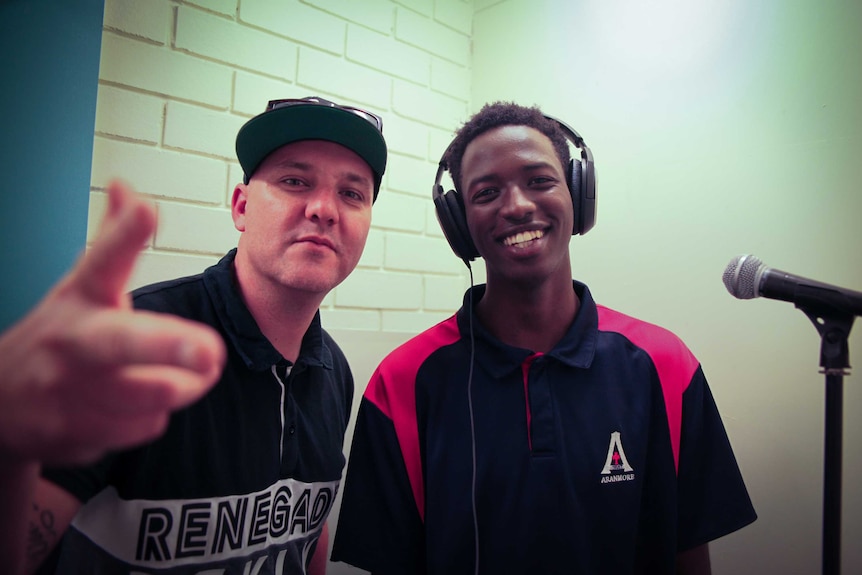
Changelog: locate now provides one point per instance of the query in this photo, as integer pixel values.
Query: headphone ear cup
(453, 222)
(582, 185)
(575, 188)
(582, 181)
(588, 195)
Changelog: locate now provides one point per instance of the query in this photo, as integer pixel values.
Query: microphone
(747, 277)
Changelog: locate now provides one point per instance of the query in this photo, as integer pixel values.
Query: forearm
(17, 486)
(317, 566)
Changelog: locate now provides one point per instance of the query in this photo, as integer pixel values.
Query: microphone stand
(834, 326)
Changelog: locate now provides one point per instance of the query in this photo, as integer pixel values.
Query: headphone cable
(472, 421)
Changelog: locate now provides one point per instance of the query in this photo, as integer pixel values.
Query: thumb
(104, 270)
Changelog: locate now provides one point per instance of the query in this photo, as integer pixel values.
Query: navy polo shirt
(606, 454)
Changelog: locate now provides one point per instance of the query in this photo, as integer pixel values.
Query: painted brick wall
(179, 77)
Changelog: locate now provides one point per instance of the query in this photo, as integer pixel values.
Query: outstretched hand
(84, 373)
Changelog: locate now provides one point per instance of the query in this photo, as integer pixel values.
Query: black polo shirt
(244, 479)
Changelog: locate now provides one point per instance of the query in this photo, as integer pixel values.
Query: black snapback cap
(312, 118)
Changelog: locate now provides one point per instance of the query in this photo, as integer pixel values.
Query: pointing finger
(105, 269)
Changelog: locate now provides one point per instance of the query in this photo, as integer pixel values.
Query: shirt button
(291, 430)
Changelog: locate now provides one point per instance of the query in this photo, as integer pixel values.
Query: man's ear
(238, 203)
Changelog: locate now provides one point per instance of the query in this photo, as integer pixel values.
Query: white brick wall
(140, 19)
(179, 77)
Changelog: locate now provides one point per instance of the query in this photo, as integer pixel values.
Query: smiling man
(243, 480)
(534, 431)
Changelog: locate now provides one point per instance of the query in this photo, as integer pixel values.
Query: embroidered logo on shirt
(617, 467)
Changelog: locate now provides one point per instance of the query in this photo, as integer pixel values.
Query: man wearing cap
(243, 480)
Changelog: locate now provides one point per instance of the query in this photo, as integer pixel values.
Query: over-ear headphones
(582, 186)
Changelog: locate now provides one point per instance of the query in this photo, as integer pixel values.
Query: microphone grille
(741, 275)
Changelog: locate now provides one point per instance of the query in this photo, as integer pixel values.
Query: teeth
(523, 237)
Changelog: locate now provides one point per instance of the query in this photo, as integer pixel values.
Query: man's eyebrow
(480, 180)
(356, 178)
(537, 166)
(288, 163)
(491, 177)
(348, 175)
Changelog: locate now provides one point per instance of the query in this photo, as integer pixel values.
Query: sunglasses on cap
(369, 117)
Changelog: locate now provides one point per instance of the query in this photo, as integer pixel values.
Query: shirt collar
(242, 330)
(576, 349)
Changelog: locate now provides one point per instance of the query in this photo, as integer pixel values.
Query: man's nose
(323, 205)
(517, 203)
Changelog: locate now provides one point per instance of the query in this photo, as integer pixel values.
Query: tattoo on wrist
(41, 537)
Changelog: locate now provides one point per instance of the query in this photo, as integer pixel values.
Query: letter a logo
(616, 456)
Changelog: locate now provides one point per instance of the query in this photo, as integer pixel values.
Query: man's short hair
(495, 115)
